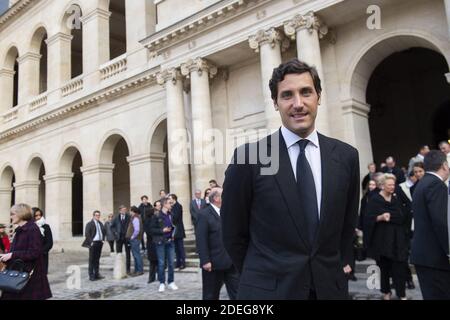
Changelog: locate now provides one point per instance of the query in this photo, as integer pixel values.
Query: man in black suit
(197, 205)
(217, 267)
(179, 233)
(430, 245)
(288, 223)
(120, 227)
(94, 237)
(392, 168)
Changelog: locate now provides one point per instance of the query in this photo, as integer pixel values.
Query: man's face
(372, 168)
(297, 101)
(162, 194)
(144, 201)
(446, 168)
(424, 150)
(418, 172)
(97, 216)
(445, 148)
(123, 210)
(198, 195)
(390, 164)
(168, 205)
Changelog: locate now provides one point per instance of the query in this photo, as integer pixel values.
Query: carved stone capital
(308, 21)
(198, 65)
(271, 36)
(171, 74)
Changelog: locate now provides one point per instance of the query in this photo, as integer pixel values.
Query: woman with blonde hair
(27, 247)
(387, 238)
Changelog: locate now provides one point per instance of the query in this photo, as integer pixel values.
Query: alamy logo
(73, 19)
(374, 20)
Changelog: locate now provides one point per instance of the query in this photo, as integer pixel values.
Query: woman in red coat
(4, 240)
(27, 246)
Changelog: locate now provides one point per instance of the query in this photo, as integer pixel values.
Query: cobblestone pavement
(137, 288)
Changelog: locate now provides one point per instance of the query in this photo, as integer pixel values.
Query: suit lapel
(328, 161)
(286, 182)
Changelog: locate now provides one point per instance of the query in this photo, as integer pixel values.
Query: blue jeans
(165, 250)
(136, 250)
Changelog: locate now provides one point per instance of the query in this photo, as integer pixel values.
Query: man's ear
(319, 100)
(275, 105)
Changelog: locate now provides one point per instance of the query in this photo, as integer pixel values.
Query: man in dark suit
(178, 234)
(94, 237)
(120, 227)
(217, 267)
(197, 205)
(288, 223)
(392, 168)
(430, 245)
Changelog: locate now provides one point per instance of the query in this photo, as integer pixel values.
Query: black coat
(156, 228)
(430, 247)
(177, 220)
(195, 210)
(264, 229)
(47, 239)
(387, 239)
(208, 235)
(90, 233)
(144, 210)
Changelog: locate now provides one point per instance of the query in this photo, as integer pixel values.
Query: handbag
(13, 281)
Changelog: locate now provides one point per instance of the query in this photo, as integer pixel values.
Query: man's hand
(167, 229)
(207, 267)
(347, 269)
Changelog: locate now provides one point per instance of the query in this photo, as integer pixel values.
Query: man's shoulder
(338, 144)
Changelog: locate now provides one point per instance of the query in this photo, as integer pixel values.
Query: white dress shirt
(98, 233)
(217, 209)
(312, 152)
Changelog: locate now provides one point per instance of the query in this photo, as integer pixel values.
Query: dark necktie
(307, 191)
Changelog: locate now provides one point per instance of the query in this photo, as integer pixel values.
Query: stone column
(269, 44)
(27, 192)
(95, 44)
(29, 66)
(5, 205)
(140, 177)
(357, 133)
(7, 89)
(97, 190)
(308, 29)
(141, 22)
(58, 204)
(59, 63)
(447, 13)
(177, 140)
(199, 70)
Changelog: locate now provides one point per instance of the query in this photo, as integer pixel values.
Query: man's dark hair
(164, 201)
(134, 209)
(173, 196)
(434, 160)
(96, 211)
(293, 66)
(144, 197)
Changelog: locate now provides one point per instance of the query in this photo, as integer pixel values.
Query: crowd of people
(387, 212)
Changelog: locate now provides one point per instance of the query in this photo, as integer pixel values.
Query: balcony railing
(11, 115)
(72, 86)
(113, 67)
(38, 102)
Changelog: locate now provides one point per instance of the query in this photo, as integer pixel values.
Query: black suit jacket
(264, 227)
(195, 210)
(430, 241)
(397, 172)
(90, 232)
(177, 220)
(208, 235)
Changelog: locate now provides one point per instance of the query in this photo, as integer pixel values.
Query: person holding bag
(27, 247)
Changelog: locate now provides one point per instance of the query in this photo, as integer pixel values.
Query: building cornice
(144, 79)
(13, 12)
(198, 22)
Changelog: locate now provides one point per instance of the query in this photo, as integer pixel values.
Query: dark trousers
(95, 251)
(123, 242)
(214, 280)
(434, 283)
(45, 262)
(153, 259)
(396, 269)
(180, 253)
(408, 274)
(111, 245)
